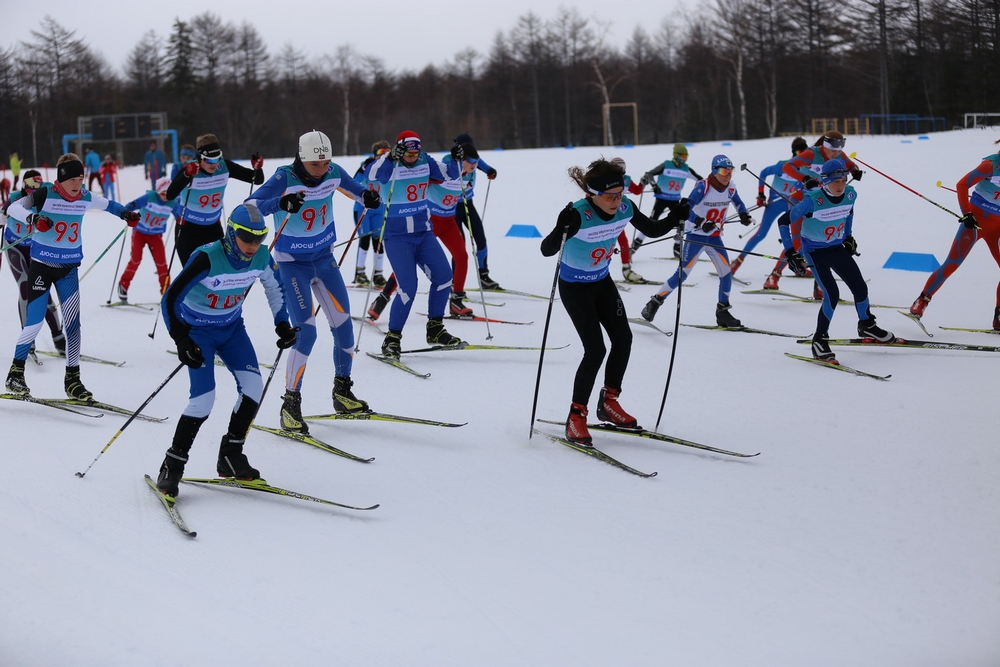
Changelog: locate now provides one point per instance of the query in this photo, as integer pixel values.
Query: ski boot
(821, 348)
(378, 305)
(609, 410)
(737, 263)
(576, 425)
(772, 281)
(868, 329)
(378, 280)
(59, 341)
(636, 243)
(486, 282)
(917, 309)
(459, 309)
(232, 461)
(653, 305)
(74, 386)
(817, 292)
(438, 335)
(291, 413)
(122, 293)
(391, 344)
(344, 399)
(171, 472)
(996, 318)
(360, 279)
(629, 275)
(724, 318)
(677, 249)
(16, 384)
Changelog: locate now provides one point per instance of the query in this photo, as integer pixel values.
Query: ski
(653, 435)
(596, 453)
(398, 364)
(474, 347)
(382, 417)
(900, 342)
(264, 487)
(836, 365)
(639, 320)
(315, 442)
(841, 302)
(28, 398)
(370, 321)
(83, 357)
(642, 281)
(772, 292)
(985, 331)
(735, 279)
(220, 362)
(916, 319)
(507, 291)
(172, 512)
(97, 405)
(34, 358)
(477, 318)
(125, 304)
(741, 329)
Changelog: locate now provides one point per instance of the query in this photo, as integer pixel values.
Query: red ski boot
(772, 281)
(576, 425)
(609, 410)
(918, 306)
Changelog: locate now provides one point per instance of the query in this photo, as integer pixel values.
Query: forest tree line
(734, 69)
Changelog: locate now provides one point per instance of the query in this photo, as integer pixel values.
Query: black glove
(457, 153)
(397, 152)
(132, 218)
(491, 174)
(682, 210)
(810, 182)
(969, 221)
(189, 353)
(704, 225)
(286, 335)
(851, 245)
(645, 180)
(568, 217)
(371, 198)
(745, 219)
(856, 173)
(796, 262)
(292, 202)
(657, 190)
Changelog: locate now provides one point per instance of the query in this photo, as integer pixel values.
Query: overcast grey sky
(405, 34)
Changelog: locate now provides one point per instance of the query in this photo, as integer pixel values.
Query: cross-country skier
(828, 246)
(56, 212)
(709, 202)
(628, 273)
(667, 180)
(980, 220)
(405, 173)
(201, 206)
(154, 209)
(368, 232)
(591, 298)
(300, 196)
(203, 311)
(476, 222)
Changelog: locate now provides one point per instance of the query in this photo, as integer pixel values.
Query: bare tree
(733, 30)
(528, 39)
(572, 39)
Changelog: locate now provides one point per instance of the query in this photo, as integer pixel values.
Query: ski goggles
(212, 160)
(834, 144)
(838, 175)
(723, 170)
(248, 235)
(412, 147)
(610, 196)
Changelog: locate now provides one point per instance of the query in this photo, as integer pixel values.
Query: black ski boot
(74, 386)
(724, 318)
(821, 348)
(486, 282)
(649, 310)
(59, 341)
(232, 461)
(391, 344)
(122, 293)
(868, 329)
(438, 335)
(378, 280)
(378, 305)
(344, 399)
(291, 413)
(172, 468)
(16, 384)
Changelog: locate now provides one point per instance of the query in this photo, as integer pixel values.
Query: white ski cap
(314, 146)
(162, 184)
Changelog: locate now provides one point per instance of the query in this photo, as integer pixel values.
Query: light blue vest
(588, 253)
(217, 299)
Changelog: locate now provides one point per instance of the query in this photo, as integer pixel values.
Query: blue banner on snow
(911, 261)
(524, 231)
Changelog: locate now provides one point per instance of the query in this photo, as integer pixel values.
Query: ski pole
(267, 384)
(545, 334)
(946, 187)
(132, 418)
(110, 245)
(350, 241)
(475, 250)
(673, 346)
(755, 226)
(381, 236)
(117, 267)
(15, 242)
(178, 228)
(907, 188)
(743, 167)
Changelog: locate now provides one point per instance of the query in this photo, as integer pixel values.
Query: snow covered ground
(864, 534)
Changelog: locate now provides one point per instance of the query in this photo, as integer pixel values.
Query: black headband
(68, 170)
(599, 184)
(210, 150)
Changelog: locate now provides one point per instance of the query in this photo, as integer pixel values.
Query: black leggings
(478, 233)
(837, 259)
(188, 237)
(591, 306)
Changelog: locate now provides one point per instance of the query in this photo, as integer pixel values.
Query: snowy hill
(865, 533)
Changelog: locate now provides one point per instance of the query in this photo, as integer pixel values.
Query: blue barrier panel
(911, 261)
(524, 231)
